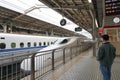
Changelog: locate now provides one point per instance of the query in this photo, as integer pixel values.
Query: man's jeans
(106, 72)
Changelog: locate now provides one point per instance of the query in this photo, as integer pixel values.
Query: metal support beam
(29, 10)
(5, 28)
(53, 60)
(32, 67)
(93, 34)
(52, 32)
(64, 56)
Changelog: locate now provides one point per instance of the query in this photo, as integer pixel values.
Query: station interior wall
(114, 34)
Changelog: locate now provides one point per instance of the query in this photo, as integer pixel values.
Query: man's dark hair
(105, 37)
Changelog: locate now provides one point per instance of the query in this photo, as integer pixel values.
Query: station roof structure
(81, 12)
(19, 20)
(77, 11)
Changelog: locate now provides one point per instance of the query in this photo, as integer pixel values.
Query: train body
(17, 44)
(14, 43)
(62, 43)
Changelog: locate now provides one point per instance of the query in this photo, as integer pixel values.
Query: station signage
(112, 7)
(78, 29)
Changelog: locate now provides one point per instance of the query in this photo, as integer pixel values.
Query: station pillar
(93, 31)
(94, 46)
(47, 33)
(94, 38)
(5, 28)
(52, 32)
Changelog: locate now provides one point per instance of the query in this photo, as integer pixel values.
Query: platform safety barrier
(36, 65)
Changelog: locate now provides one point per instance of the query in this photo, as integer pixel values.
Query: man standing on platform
(106, 56)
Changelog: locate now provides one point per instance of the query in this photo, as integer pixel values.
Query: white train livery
(14, 43)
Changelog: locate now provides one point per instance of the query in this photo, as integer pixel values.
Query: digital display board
(112, 7)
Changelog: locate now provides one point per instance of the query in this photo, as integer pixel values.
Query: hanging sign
(63, 22)
(112, 7)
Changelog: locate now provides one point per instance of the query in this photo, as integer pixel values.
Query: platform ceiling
(78, 11)
(29, 23)
(75, 10)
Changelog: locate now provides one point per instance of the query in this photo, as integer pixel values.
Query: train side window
(2, 45)
(40, 44)
(44, 43)
(21, 44)
(2, 38)
(51, 42)
(35, 44)
(13, 45)
(29, 44)
(64, 41)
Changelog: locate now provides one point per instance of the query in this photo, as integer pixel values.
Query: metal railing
(36, 65)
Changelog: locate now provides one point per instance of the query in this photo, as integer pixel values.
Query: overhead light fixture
(89, 1)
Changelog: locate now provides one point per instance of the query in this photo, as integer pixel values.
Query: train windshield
(61, 41)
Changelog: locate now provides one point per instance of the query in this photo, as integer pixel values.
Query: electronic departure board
(112, 7)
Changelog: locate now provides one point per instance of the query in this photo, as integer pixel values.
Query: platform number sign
(112, 7)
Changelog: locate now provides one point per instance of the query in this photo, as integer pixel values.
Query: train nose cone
(26, 65)
(25, 73)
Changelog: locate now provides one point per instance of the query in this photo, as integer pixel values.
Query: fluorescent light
(89, 1)
(96, 23)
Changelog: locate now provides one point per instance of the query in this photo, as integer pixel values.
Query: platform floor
(84, 67)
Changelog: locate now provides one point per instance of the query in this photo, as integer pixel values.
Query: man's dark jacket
(106, 54)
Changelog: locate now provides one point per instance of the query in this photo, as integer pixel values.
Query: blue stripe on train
(16, 49)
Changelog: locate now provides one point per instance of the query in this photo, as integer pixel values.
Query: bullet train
(39, 60)
(17, 43)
